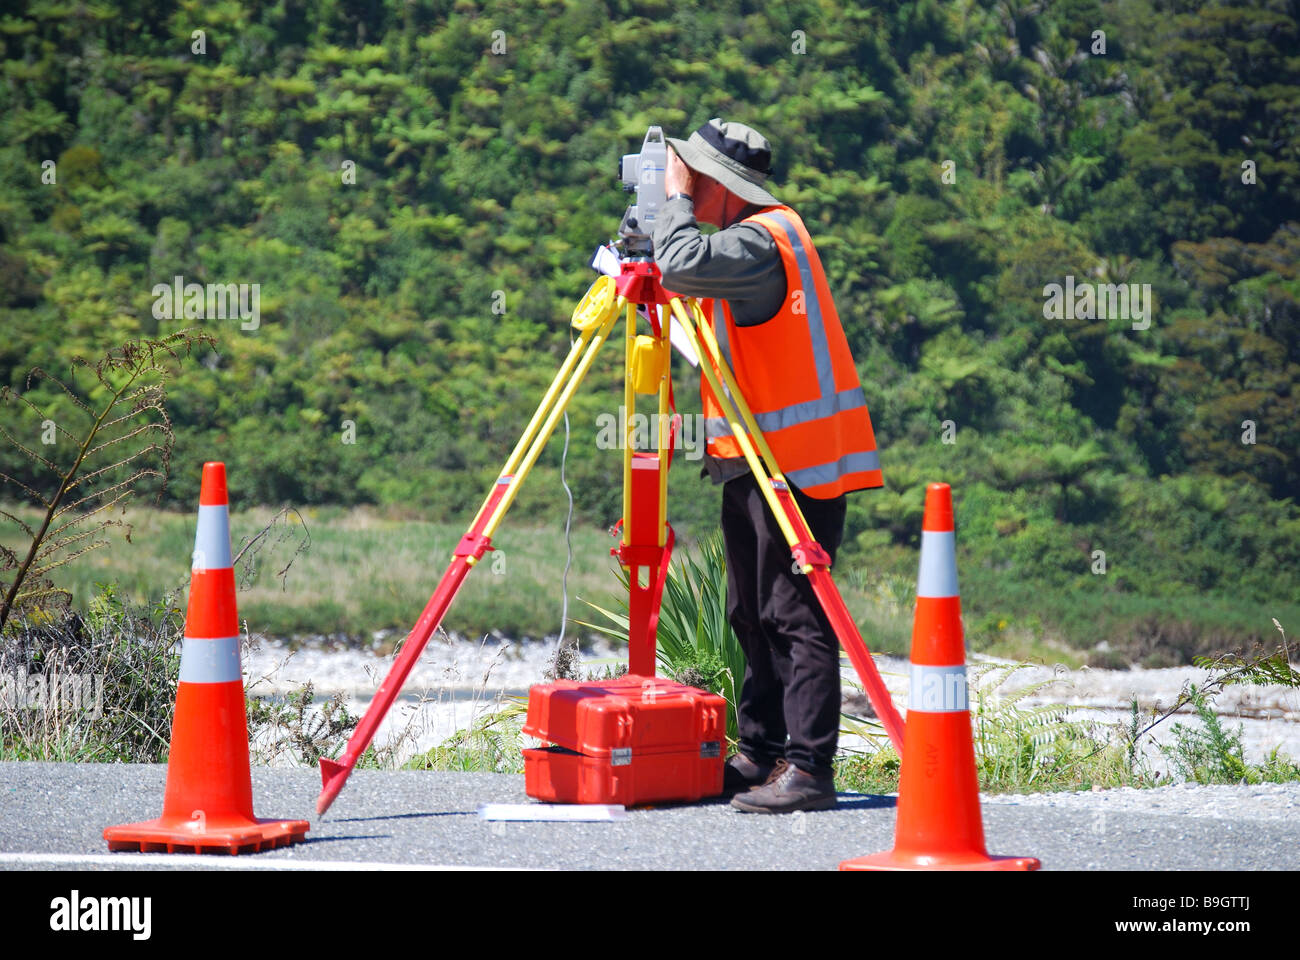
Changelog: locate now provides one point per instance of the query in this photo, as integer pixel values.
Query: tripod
(646, 540)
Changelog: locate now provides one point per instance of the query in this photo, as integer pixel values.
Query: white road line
(146, 861)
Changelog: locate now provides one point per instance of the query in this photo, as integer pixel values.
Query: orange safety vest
(797, 375)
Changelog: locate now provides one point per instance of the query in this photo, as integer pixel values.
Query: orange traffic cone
(208, 804)
(939, 825)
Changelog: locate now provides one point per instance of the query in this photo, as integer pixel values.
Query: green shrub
(493, 743)
(696, 645)
(131, 658)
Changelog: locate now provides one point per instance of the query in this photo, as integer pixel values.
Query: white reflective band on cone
(210, 661)
(212, 539)
(938, 574)
(938, 689)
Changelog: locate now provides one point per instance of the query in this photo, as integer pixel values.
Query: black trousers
(790, 701)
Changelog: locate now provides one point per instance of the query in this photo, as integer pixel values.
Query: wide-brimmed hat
(737, 156)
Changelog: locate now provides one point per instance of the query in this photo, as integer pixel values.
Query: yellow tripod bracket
(649, 363)
(600, 300)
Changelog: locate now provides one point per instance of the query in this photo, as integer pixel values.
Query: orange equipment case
(632, 740)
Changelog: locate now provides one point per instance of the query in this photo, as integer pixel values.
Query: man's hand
(679, 178)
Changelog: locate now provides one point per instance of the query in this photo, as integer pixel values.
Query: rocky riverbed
(457, 680)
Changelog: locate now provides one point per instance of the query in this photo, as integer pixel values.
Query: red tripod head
(639, 282)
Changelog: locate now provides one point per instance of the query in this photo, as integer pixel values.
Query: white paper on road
(552, 811)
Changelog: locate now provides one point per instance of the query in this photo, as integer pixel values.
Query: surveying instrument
(638, 738)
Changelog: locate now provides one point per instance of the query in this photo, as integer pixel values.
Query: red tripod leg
(472, 546)
(809, 552)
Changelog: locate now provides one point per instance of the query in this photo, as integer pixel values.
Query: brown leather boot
(741, 774)
(788, 790)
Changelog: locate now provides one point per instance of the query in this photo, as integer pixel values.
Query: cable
(568, 526)
(568, 541)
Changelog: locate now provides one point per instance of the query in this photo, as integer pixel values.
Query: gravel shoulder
(1261, 803)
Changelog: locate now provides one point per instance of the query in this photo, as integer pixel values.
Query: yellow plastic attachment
(648, 358)
(600, 300)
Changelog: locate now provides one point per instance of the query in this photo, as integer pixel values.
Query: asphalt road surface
(52, 817)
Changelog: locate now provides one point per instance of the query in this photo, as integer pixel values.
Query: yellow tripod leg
(783, 507)
(594, 318)
(526, 438)
(665, 419)
(549, 412)
(591, 317)
(738, 414)
(629, 408)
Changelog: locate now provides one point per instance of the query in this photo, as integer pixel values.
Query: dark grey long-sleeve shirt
(739, 263)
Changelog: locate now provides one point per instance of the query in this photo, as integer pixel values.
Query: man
(764, 291)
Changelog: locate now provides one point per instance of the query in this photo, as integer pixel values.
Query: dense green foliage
(478, 171)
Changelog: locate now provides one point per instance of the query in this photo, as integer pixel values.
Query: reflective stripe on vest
(816, 322)
(806, 417)
(806, 478)
(724, 344)
(779, 419)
